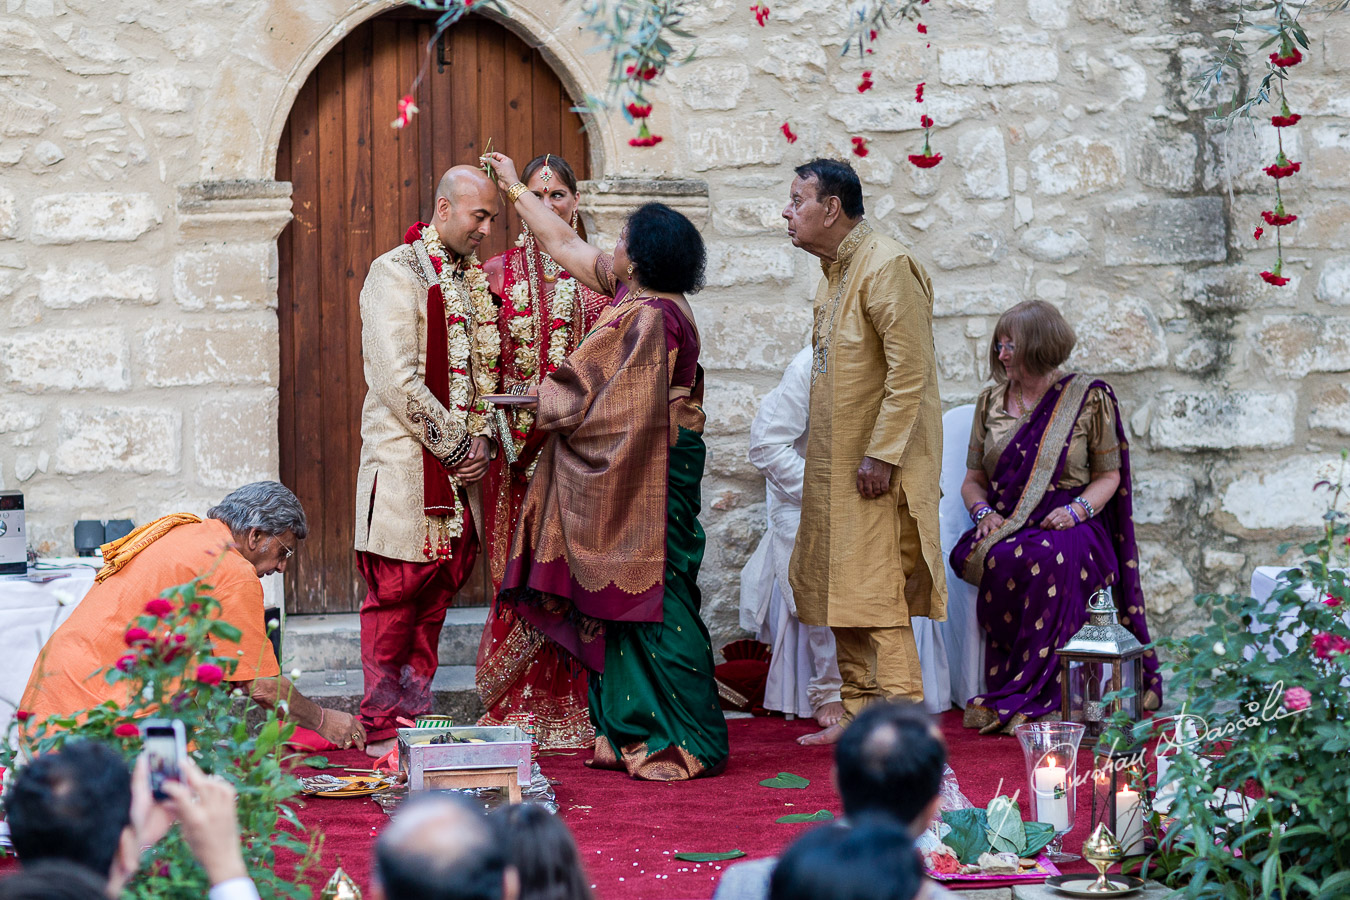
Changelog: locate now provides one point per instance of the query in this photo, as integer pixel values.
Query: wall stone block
(1331, 410)
(1141, 231)
(982, 300)
(751, 140)
(984, 163)
(1157, 490)
(1238, 156)
(1229, 289)
(1115, 334)
(955, 357)
(746, 217)
(711, 85)
(110, 216)
(1045, 244)
(72, 287)
(740, 263)
(1221, 420)
(226, 278)
(1163, 576)
(226, 351)
(792, 60)
(1077, 165)
(158, 90)
(731, 406)
(1297, 345)
(134, 439)
(9, 217)
(86, 359)
(23, 113)
(19, 416)
(1333, 286)
(235, 440)
(1166, 159)
(897, 114)
(1279, 495)
(749, 336)
(998, 65)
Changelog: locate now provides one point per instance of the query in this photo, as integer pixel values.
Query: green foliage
(1242, 733)
(1279, 24)
(168, 673)
(635, 34)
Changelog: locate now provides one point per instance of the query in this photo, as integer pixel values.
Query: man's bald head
(466, 203)
(441, 847)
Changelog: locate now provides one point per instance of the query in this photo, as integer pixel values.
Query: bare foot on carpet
(828, 736)
(376, 749)
(830, 714)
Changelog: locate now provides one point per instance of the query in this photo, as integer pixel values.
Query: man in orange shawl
(251, 533)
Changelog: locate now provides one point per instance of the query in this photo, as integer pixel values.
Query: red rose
(787, 133)
(872, 35)
(1272, 278)
(210, 673)
(125, 663)
(866, 83)
(923, 29)
(860, 146)
(650, 141)
(638, 111)
(159, 607)
(925, 160)
(136, 636)
(925, 121)
(1277, 221)
(1285, 121)
(126, 729)
(1283, 62)
(1332, 600)
(918, 92)
(1258, 232)
(23, 715)
(1282, 171)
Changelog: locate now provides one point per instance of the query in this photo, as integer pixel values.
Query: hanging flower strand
(1287, 56)
(451, 11)
(761, 11)
(927, 159)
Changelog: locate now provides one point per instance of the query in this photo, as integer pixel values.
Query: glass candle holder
(1051, 752)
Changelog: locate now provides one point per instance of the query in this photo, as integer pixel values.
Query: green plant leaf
(786, 780)
(710, 857)
(1038, 835)
(823, 815)
(968, 837)
(1006, 834)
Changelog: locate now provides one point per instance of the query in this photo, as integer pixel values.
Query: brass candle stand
(1103, 851)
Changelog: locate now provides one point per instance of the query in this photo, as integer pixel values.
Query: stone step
(452, 692)
(311, 641)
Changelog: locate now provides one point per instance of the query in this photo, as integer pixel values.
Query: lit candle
(1052, 796)
(1130, 821)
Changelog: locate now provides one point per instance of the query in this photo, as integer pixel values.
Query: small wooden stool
(444, 779)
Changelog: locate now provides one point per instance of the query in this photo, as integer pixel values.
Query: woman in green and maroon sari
(1048, 490)
(606, 554)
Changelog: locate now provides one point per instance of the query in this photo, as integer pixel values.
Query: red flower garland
(1277, 219)
(925, 160)
(1285, 121)
(639, 111)
(788, 133)
(860, 146)
(646, 73)
(761, 12)
(1258, 232)
(866, 83)
(1288, 56)
(1275, 278)
(1282, 170)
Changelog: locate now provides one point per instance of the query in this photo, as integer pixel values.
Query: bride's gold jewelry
(545, 173)
(575, 219)
(514, 191)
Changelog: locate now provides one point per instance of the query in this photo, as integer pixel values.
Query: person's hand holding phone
(205, 807)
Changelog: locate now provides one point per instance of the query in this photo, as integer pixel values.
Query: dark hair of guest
(1043, 338)
(890, 760)
(835, 179)
(53, 880)
(541, 848)
(666, 249)
(71, 805)
(875, 859)
(557, 164)
(408, 873)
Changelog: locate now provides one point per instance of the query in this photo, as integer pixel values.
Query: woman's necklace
(1021, 399)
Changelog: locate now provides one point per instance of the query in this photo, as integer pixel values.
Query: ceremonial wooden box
(501, 759)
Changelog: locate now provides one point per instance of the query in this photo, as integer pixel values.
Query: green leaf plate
(710, 857)
(786, 780)
(823, 815)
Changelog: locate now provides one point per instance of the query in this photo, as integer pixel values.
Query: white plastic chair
(960, 633)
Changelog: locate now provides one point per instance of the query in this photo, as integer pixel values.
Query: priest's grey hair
(268, 506)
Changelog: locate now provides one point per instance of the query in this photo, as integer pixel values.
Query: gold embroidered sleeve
(604, 273)
(1099, 414)
(391, 341)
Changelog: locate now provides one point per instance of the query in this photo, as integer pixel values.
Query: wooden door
(358, 185)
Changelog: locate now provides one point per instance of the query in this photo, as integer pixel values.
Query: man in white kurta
(803, 673)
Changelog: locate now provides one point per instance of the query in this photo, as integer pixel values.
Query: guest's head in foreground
(824, 204)
(1030, 340)
(74, 806)
(441, 847)
(552, 180)
(52, 880)
(660, 250)
(541, 848)
(466, 206)
(872, 860)
(267, 523)
(889, 762)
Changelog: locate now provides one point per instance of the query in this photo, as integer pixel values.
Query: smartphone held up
(165, 746)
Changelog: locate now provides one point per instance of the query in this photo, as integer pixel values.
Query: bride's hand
(503, 167)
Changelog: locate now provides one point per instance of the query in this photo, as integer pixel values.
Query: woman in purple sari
(1048, 488)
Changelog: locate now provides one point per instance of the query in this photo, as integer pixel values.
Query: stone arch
(279, 45)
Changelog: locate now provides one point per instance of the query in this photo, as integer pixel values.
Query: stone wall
(138, 362)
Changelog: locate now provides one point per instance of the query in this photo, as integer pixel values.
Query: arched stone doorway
(357, 185)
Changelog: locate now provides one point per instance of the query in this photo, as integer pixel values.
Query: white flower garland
(564, 302)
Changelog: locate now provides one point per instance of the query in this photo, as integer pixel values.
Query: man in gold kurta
(868, 554)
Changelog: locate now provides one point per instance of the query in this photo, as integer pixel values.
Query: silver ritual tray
(503, 746)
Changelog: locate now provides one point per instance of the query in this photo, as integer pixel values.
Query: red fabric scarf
(438, 494)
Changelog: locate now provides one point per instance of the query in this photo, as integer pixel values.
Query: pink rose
(125, 663)
(159, 607)
(209, 673)
(135, 636)
(1332, 600)
(126, 729)
(1326, 645)
(1296, 699)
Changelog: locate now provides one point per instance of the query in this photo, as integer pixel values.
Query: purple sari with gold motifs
(1034, 583)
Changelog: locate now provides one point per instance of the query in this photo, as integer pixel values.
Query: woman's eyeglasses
(1000, 347)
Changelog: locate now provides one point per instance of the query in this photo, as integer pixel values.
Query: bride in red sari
(522, 677)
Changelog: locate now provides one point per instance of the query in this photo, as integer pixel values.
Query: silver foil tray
(503, 746)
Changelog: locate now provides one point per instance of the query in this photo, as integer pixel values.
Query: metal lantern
(1102, 658)
(1120, 797)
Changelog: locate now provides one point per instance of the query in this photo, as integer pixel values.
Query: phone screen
(163, 745)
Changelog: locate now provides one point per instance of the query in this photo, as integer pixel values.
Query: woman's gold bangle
(514, 191)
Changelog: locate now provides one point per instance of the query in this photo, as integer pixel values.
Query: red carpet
(629, 831)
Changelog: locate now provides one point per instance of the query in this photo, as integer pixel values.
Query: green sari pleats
(655, 706)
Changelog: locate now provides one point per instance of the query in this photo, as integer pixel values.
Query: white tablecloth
(29, 613)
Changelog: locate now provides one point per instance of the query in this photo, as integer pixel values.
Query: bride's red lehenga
(523, 678)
